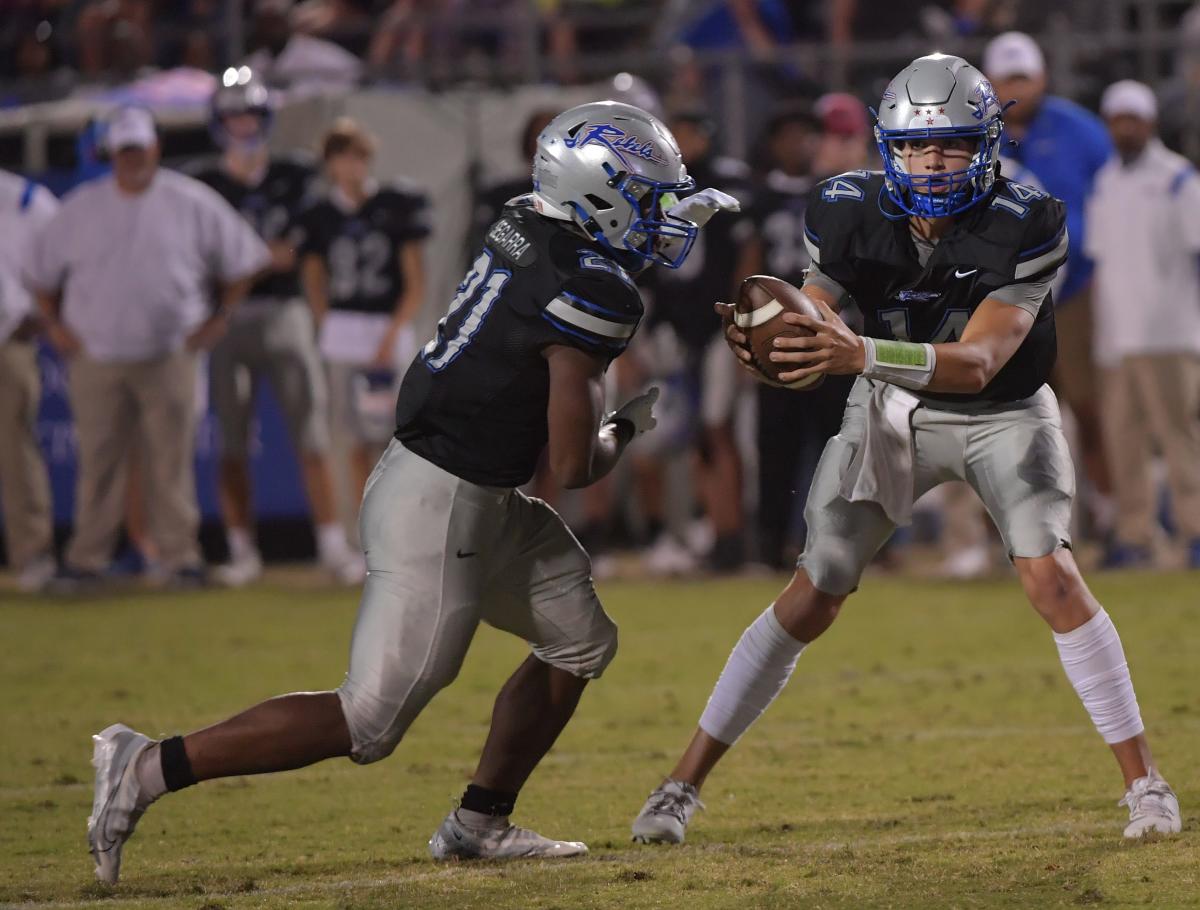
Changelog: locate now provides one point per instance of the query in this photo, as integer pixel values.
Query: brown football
(762, 301)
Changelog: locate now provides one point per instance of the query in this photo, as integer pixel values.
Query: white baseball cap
(130, 126)
(1129, 97)
(1013, 54)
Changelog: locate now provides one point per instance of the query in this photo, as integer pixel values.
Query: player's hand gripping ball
(758, 318)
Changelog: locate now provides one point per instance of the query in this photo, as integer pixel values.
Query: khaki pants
(1153, 401)
(149, 405)
(24, 485)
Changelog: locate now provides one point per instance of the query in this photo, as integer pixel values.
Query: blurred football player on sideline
(951, 265)
(364, 277)
(271, 336)
(686, 341)
(792, 429)
(517, 363)
(28, 519)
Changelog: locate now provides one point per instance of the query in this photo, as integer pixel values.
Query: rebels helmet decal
(618, 141)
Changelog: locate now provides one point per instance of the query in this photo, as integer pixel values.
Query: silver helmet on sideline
(613, 169)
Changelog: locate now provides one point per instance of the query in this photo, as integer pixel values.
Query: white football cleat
(455, 840)
(36, 575)
(347, 568)
(967, 562)
(237, 573)
(664, 818)
(1153, 806)
(115, 810)
(669, 557)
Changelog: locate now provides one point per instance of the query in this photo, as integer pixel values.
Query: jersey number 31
(479, 291)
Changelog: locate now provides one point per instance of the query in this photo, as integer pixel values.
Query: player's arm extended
(579, 453)
(993, 334)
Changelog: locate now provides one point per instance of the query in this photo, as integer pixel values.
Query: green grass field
(928, 753)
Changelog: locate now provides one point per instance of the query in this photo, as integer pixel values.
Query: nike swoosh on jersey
(461, 555)
(958, 274)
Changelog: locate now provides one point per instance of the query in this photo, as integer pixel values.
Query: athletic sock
(241, 544)
(757, 670)
(1095, 664)
(148, 771)
(484, 808)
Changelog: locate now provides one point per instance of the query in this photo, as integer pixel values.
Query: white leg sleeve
(1095, 664)
(757, 670)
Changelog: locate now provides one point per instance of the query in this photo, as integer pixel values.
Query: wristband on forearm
(903, 363)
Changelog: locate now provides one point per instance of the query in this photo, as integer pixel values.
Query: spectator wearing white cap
(1064, 146)
(123, 275)
(25, 207)
(1144, 236)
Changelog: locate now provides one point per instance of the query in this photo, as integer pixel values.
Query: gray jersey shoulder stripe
(1050, 258)
(814, 251)
(563, 309)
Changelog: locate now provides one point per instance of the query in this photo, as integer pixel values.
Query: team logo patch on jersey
(618, 141)
(909, 296)
(508, 239)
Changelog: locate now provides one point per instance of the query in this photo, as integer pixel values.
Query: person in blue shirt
(1063, 145)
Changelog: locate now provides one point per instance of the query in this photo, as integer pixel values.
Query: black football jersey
(474, 400)
(361, 248)
(683, 297)
(778, 217)
(859, 239)
(273, 208)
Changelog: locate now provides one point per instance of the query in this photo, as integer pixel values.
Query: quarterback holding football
(951, 264)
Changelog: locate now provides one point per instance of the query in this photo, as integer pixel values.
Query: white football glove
(699, 208)
(639, 411)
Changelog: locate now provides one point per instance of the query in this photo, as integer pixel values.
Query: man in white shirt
(123, 275)
(25, 207)
(1144, 236)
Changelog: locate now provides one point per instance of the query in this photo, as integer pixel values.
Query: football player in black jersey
(516, 365)
(688, 344)
(271, 336)
(951, 264)
(364, 277)
(792, 429)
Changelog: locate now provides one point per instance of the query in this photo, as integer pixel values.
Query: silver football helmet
(241, 92)
(613, 170)
(939, 96)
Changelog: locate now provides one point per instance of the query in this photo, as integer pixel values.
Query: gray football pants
(444, 555)
(275, 339)
(1013, 455)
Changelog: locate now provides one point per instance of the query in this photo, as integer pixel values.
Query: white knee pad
(1095, 664)
(757, 670)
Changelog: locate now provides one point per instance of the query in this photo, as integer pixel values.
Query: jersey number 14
(478, 291)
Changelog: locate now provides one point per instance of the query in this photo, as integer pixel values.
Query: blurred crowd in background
(766, 97)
